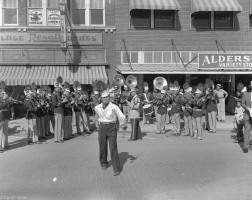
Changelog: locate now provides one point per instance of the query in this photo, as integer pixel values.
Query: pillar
(232, 82)
(140, 82)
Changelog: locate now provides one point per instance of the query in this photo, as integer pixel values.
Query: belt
(107, 123)
(197, 109)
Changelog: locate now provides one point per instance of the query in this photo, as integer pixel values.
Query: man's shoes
(104, 167)
(61, 141)
(245, 150)
(79, 133)
(38, 142)
(1, 150)
(117, 173)
(163, 132)
(29, 142)
(158, 132)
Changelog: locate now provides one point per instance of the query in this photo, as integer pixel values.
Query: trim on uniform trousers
(135, 129)
(126, 110)
(32, 130)
(41, 126)
(188, 125)
(58, 132)
(108, 133)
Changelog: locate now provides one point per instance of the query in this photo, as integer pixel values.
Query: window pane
(96, 4)
(158, 57)
(134, 57)
(223, 20)
(78, 4)
(201, 19)
(78, 16)
(175, 58)
(125, 58)
(194, 57)
(10, 3)
(250, 21)
(185, 57)
(10, 16)
(96, 17)
(164, 18)
(140, 18)
(35, 3)
(166, 57)
(53, 4)
(148, 57)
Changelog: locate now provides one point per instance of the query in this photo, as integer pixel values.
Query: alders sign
(225, 61)
(51, 38)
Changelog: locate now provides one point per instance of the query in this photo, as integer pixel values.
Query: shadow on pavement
(14, 130)
(124, 156)
(17, 144)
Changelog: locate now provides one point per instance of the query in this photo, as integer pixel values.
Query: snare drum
(148, 109)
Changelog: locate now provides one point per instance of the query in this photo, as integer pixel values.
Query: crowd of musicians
(167, 103)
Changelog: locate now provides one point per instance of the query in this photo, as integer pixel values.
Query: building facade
(173, 38)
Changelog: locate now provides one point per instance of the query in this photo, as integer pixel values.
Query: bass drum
(148, 109)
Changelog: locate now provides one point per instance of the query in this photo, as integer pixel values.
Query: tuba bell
(119, 80)
(131, 81)
(159, 83)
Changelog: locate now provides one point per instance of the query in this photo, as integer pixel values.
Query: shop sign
(221, 77)
(225, 61)
(53, 17)
(35, 17)
(51, 38)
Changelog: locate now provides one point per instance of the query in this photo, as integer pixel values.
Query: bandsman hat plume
(186, 86)
(27, 87)
(145, 84)
(176, 85)
(66, 85)
(33, 86)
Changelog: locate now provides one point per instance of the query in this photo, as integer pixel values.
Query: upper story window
(10, 12)
(140, 18)
(164, 18)
(88, 12)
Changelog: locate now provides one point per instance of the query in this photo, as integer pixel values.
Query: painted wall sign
(51, 38)
(225, 61)
(53, 17)
(35, 17)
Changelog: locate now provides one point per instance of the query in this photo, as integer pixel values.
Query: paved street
(158, 167)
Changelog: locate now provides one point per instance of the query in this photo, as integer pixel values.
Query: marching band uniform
(168, 116)
(198, 113)
(31, 116)
(51, 118)
(162, 105)
(41, 115)
(86, 109)
(187, 101)
(58, 111)
(155, 96)
(125, 95)
(134, 115)
(4, 117)
(146, 99)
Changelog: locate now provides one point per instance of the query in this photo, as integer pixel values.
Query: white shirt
(111, 113)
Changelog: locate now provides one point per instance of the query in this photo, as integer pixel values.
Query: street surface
(159, 167)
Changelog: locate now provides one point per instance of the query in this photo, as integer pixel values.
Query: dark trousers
(239, 130)
(108, 133)
(247, 135)
(135, 129)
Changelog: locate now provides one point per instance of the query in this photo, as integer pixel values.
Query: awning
(46, 75)
(154, 4)
(215, 5)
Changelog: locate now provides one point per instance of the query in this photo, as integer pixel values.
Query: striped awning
(154, 4)
(46, 75)
(215, 5)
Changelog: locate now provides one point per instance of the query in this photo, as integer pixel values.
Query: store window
(96, 12)
(10, 12)
(164, 18)
(201, 20)
(140, 18)
(223, 20)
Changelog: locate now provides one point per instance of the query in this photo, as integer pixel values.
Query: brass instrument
(119, 80)
(131, 81)
(159, 83)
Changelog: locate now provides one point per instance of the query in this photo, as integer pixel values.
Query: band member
(58, 110)
(176, 108)
(162, 104)
(169, 94)
(31, 116)
(187, 101)
(146, 99)
(51, 119)
(125, 106)
(198, 104)
(79, 109)
(41, 113)
(4, 117)
(68, 102)
(46, 108)
(117, 95)
(222, 95)
(108, 115)
(86, 109)
(94, 101)
(155, 96)
(246, 103)
(134, 115)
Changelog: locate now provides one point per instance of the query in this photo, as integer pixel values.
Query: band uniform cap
(244, 89)
(176, 85)
(67, 89)
(200, 87)
(250, 84)
(186, 86)
(198, 91)
(163, 91)
(171, 86)
(27, 87)
(240, 86)
(218, 85)
(105, 93)
(189, 89)
(146, 84)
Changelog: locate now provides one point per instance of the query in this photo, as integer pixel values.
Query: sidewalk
(159, 167)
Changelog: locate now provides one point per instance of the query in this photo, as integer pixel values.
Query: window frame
(210, 20)
(173, 21)
(150, 19)
(2, 8)
(103, 14)
(226, 28)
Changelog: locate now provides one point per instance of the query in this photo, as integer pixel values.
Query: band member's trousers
(221, 109)
(67, 126)
(239, 130)
(188, 125)
(212, 120)
(135, 129)
(86, 118)
(52, 120)
(247, 134)
(207, 127)
(146, 118)
(3, 133)
(161, 122)
(176, 122)
(126, 110)
(197, 127)
(41, 126)
(58, 131)
(108, 133)
(155, 111)
(80, 118)
(32, 130)
(168, 117)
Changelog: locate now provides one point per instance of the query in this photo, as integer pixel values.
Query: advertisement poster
(36, 17)
(53, 17)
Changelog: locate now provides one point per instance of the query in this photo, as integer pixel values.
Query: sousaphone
(159, 83)
(131, 81)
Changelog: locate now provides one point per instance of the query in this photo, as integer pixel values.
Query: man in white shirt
(108, 115)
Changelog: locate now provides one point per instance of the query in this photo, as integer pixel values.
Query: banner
(53, 17)
(35, 17)
(225, 61)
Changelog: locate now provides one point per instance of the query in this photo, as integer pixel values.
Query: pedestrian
(108, 115)
(134, 115)
(222, 95)
(239, 110)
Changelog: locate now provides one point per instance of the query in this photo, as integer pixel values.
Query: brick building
(166, 37)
